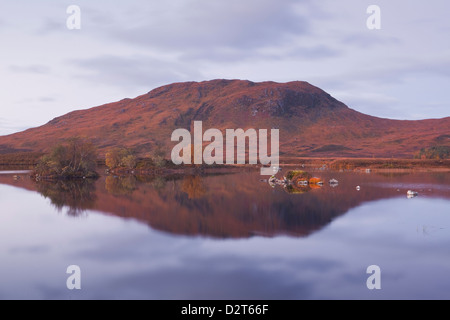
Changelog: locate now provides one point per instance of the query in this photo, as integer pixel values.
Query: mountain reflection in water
(230, 205)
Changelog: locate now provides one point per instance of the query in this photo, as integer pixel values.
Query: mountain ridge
(311, 121)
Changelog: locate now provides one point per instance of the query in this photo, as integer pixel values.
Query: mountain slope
(311, 122)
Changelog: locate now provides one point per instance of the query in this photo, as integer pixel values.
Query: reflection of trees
(159, 183)
(78, 195)
(297, 189)
(194, 187)
(120, 185)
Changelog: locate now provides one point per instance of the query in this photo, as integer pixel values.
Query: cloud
(314, 52)
(34, 249)
(141, 71)
(50, 26)
(235, 23)
(46, 99)
(369, 40)
(390, 71)
(33, 69)
(207, 30)
(366, 101)
(231, 55)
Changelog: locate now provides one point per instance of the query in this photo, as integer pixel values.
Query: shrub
(129, 161)
(158, 157)
(120, 157)
(77, 158)
(436, 152)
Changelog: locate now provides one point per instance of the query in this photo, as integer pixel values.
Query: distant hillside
(311, 122)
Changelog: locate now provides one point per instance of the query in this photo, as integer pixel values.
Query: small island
(74, 159)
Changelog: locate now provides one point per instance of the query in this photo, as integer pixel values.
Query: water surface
(228, 236)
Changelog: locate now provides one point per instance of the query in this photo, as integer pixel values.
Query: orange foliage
(315, 181)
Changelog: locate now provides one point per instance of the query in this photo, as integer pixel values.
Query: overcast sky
(127, 48)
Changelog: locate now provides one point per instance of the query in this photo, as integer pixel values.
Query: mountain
(311, 122)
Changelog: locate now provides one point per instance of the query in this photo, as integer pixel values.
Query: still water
(227, 236)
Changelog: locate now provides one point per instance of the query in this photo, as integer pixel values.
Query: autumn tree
(120, 157)
(76, 158)
(112, 158)
(158, 157)
(435, 152)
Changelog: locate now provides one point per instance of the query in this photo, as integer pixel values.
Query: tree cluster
(120, 158)
(437, 152)
(77, 158)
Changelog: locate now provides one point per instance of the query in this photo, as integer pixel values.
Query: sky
(127, 48)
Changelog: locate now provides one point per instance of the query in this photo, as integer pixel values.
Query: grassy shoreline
(375, 164)
(28, 161)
